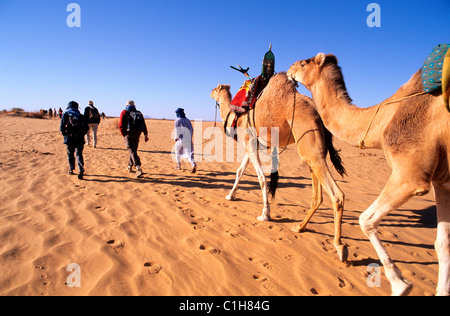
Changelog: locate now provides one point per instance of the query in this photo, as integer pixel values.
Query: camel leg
(232, 195)
(310, 148)
(442, 244)
(316, 201)
(254, 157)
(337, 199)
(395, 193)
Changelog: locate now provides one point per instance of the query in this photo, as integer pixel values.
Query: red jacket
(123, 124)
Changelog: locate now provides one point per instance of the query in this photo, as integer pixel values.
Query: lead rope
(215, 124)
(361, 142)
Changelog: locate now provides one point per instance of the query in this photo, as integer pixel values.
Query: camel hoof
(342, 252)
(264, 218)
(402, 288)
(230, 198)
(298, 229)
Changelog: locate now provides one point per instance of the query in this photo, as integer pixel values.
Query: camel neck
(224, 100)
(345, 120)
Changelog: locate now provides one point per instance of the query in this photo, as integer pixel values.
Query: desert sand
(173, 233)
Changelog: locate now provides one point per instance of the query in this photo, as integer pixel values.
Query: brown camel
(413, 129)
(275, 109)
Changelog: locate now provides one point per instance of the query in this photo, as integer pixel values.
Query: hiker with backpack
(132, 125)
(73, 127)
(92, 117)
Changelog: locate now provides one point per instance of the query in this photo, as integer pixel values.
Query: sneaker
(194, 169)
(178, 167)
(80, 176)
(129, 169)
(70, 173)
(139, 173)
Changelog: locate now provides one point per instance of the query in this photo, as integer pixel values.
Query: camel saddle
(245, 99)
(247, 96)
(446, 80)
(433, 67)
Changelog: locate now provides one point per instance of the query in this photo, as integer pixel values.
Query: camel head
(216, 92)
(308, 71)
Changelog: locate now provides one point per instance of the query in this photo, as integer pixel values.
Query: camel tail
(273, 183)
(334, 154)
(274, 175)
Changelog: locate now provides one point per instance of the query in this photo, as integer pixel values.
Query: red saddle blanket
(239, 104)
(247, 95)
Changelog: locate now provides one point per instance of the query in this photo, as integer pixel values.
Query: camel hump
(446, 80)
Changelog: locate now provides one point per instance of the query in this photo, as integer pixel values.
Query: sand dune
(174, 233)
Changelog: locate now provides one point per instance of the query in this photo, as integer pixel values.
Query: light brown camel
(275, 108)
(415, 136)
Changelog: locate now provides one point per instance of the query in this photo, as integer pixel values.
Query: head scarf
(268, 66)
(72, 105)
(72, 109)
(180, 113)
(130, 106)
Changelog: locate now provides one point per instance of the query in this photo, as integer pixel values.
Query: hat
(72, 105)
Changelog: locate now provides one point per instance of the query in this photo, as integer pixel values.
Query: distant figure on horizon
(184, 147)
(60, 112)
(92, 117)
(73, 127)
(131, 125)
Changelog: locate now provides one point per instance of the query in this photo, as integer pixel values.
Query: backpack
(75, 127)
(136, 122)
(93, 114)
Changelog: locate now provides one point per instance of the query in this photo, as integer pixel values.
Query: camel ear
(226, 86)
(320, 59)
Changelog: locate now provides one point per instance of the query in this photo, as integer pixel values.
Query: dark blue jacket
(75, 140)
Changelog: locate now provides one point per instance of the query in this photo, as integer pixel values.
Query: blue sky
(170, 54)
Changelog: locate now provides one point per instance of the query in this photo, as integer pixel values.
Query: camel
(275, 108)
(413, 129)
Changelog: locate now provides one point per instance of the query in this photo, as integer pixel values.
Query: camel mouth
(293, 80)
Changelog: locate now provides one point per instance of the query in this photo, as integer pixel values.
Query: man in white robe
(184, 147)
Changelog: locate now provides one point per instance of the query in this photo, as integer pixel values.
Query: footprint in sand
(265, 282)
(205, 249)
(281, 239)
(343, 283)
(116, 245)
(153, 268)
(233, 233)
(196, 221)
(313, 291)
(266, 265)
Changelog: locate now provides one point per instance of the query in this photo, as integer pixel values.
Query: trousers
(132, 143)
(75, 151)
(94, 129)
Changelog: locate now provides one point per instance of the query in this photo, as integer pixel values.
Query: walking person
(184, 147)
(92, 117)
(73, 127)
(132, 125)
